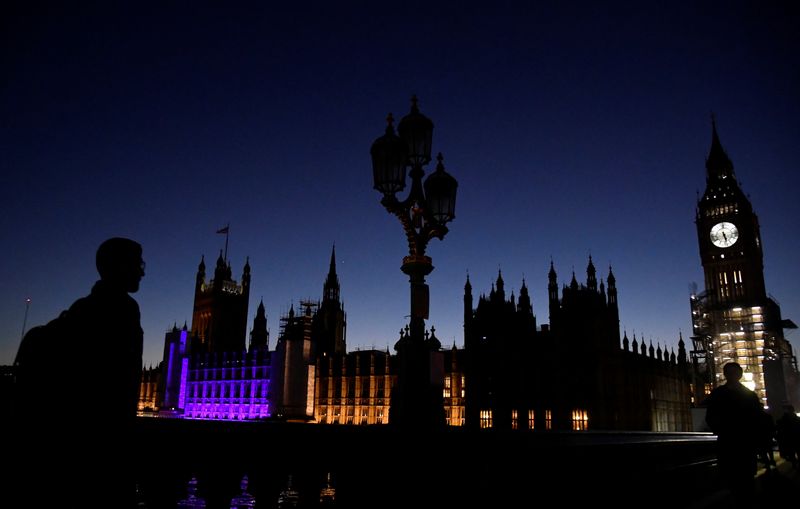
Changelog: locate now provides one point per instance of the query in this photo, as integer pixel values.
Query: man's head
(733, 372)
(119, 262)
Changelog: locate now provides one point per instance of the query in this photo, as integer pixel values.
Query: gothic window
(486, 418)
(548, 419)
(531, 419)
(580, 420)
(514, 424)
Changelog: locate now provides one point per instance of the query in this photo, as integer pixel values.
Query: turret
(259, 336)
(591, 277)
(500, 293)
(219, 271)
(552, 295)
(467, 302)
(612, 288)
(330, 322)
(331, 288)
(200, 281)
(246, 274)
(682, 359)
(524, 305)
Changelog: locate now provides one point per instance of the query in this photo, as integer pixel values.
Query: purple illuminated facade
(207, 373)
(230, 386)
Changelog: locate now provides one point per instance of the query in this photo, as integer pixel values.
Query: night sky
(572, 130)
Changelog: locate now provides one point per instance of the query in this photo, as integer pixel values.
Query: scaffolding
(701, 354)
(729, 334)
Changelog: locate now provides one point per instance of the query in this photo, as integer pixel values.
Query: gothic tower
(259, 336)
(734, 319)
(552, 295)
(219, 318)
(330, 321)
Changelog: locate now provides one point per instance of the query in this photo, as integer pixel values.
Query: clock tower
(734, 320)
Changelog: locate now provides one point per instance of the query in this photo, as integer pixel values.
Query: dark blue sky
(572, 128)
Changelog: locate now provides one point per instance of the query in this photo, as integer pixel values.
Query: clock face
(724, 234)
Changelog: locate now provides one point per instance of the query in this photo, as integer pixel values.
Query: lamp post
(424, 214)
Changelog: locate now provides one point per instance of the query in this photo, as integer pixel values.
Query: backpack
(37, 365)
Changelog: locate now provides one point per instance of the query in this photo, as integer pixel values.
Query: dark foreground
(380, 467)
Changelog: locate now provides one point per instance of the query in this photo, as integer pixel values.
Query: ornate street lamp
(424, 214)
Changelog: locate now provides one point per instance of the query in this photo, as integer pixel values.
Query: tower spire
(331, 289)
(591, 277)
(718, 164)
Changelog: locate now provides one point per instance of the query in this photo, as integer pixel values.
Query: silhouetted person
(734, 414)
(766, 440)
(788, 427)
(79, 393)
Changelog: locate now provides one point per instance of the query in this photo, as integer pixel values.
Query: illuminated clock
(724, 234)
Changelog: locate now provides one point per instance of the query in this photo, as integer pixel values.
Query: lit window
(514, 419)
(548, 419)
(580, 420)
(531, 420)
(446, 387)
(486, 419)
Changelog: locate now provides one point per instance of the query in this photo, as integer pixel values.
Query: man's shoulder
(719, 391)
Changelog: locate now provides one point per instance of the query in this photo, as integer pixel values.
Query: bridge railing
(379, 466)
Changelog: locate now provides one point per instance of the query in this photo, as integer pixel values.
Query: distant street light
(416, 400)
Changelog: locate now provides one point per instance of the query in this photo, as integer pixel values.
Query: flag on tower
(223, 230)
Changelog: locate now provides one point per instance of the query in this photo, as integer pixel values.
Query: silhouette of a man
(106, 330)
(734, 413)
(81, 409)
(789, 436)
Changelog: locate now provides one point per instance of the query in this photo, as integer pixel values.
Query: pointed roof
(718, 164)
(332, 269)
(523, 290)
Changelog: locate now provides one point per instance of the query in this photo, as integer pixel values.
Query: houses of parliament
(576, 372)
